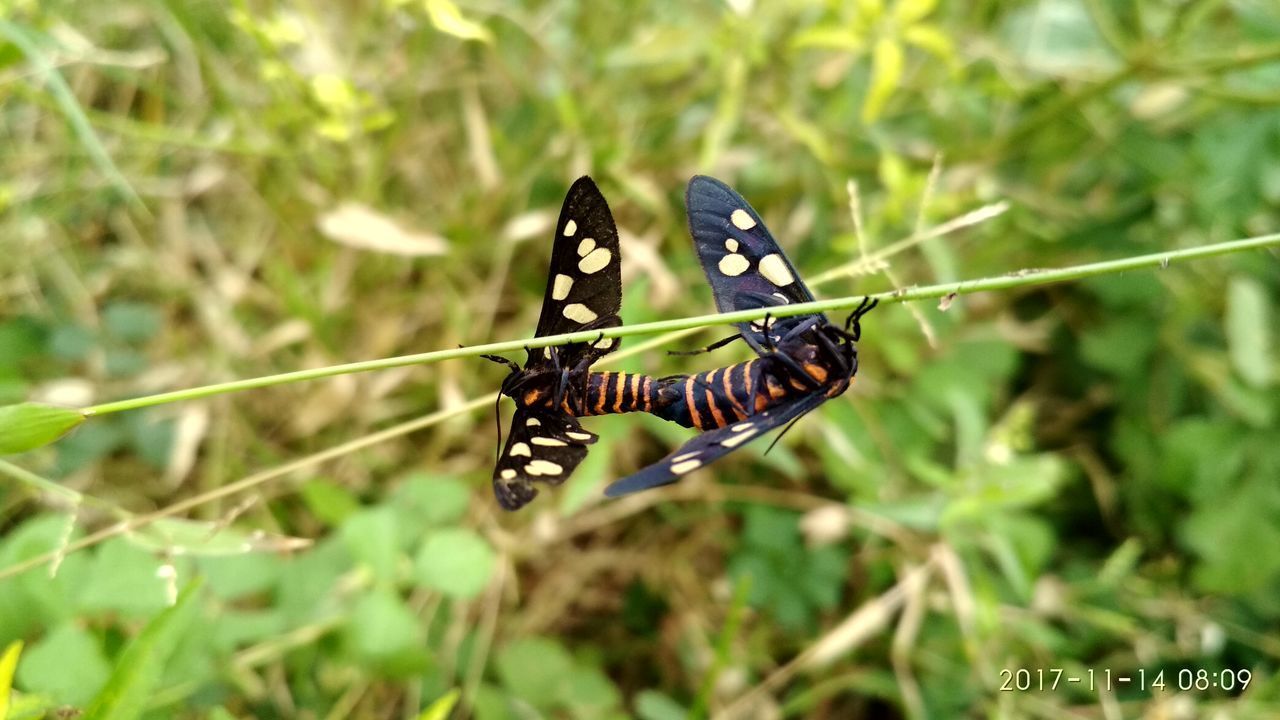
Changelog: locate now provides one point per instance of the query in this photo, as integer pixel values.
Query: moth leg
(713, 346)
(511, 364)
(853, 324)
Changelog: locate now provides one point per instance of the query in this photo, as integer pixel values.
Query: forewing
(542, 446)
(584, 281)
(744, 264)
(712, 445)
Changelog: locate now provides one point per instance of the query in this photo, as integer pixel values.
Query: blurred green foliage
(1081, 477)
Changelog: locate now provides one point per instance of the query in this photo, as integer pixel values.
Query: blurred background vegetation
(1081, 476)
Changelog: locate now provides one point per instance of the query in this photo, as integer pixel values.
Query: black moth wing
(584, 280)
(744, 264)
(542, 446)
(713, 445)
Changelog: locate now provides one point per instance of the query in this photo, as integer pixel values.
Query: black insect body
(803, 359)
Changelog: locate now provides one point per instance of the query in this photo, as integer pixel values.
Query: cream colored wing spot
(586, 246)
(731, 245)
(775, 270)
(572, 435)
(533, 422)
(548, 442)
(681, 468)
(543, 467)
(578, 313)
(509, 474)
(685, 456)
(737, 440)
(740, 427)
(561, 286)
(520, 450)
(742, 219)
(570, 228)
(733, 264)
(605, 344)
(595, 261)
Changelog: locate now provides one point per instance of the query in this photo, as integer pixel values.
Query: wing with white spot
(541, 447)
(584, 281)
(710, 446)
(744, 264)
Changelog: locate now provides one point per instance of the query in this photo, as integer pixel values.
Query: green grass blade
(8, 664)
(138, 669)
(30, 425)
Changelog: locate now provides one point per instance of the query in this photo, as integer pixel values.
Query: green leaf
(830, 37)
(653, 705)
(8, 661)
(933, 41)
(424, 499)
(329, 501)
(440, 709)
(448, 19)
(1249, 331)
(536, 670)
(139, 668)
(131, 322)
(123, 579)
(907, 12)
(385, 634)
(66, 664)
(372, 537)
(30, 425)
(457, 562)
(886, 71)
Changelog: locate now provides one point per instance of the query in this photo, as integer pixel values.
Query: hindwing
(712, 445)
(743, 263)
(543, 446)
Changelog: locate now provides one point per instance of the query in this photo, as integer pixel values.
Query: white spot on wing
(509, 474)
(737, 440)
(731, 245)
(605, 344)
(543, 467)
(596, 261)
(578, 313)
(586, 246)
(742, 426)
(570, 228)
(573, 435)
(533, 422)
(685, 456)
(775, 270)
(681, 468)
(520, 450)
(742, 219)
(733, 264)
(548, 442)
(561, 287)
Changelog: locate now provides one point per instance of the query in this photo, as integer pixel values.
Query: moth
(584, 292)
(802, 360)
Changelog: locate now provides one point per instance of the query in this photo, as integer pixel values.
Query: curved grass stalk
(1004, 282)
(683, 328)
